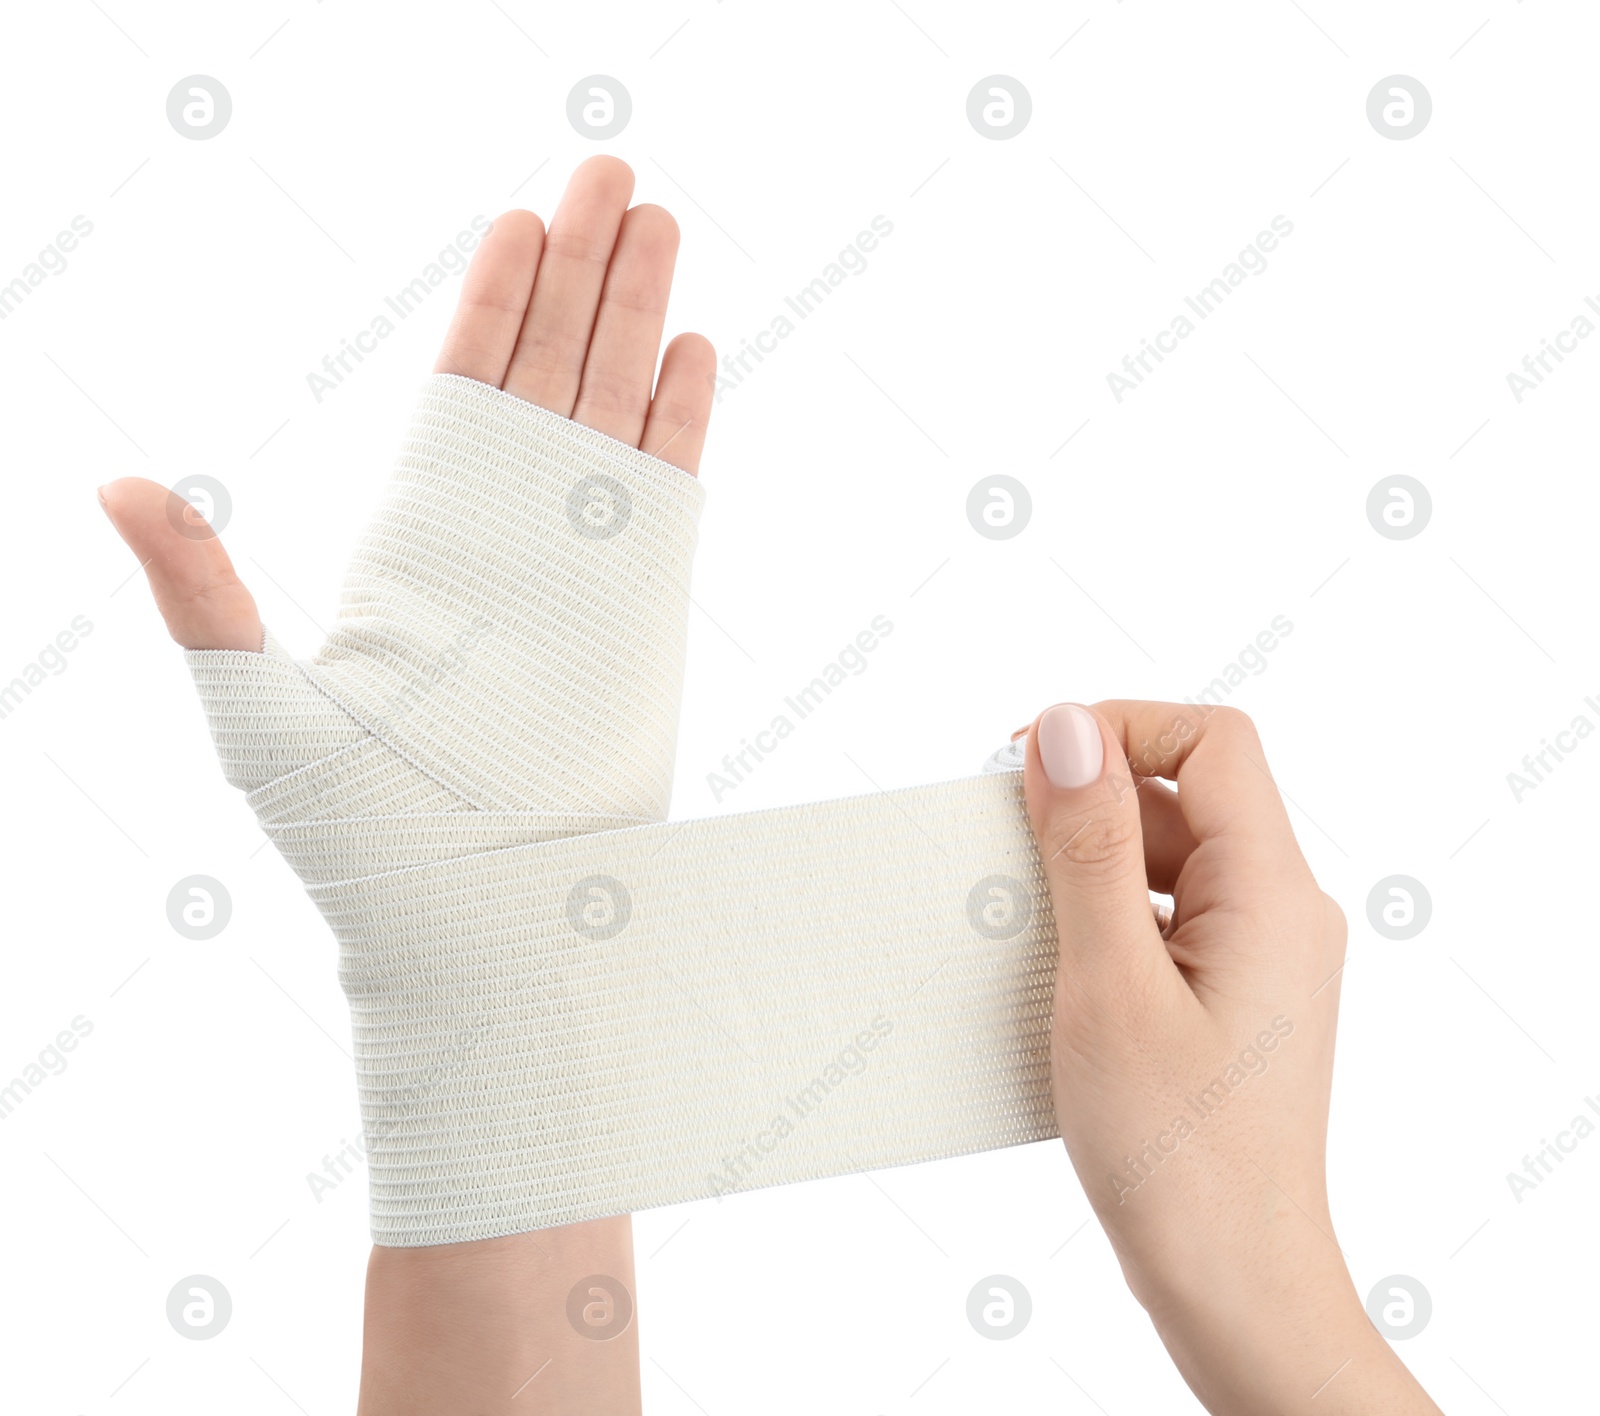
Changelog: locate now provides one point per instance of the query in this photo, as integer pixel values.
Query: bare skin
(1215, 1197)
(570, 319)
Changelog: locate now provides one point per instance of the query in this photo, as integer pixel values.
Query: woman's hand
(571, 320)
(1192, 1066)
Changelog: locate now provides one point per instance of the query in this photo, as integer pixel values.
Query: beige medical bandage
(563, 1006)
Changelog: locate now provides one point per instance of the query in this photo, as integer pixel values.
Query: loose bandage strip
(563, 1006)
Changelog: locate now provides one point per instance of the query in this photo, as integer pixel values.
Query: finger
(676, 428)
(1215, 757)
(201, 599)
(614, 395)
(547, 364)
(1168, 841)
(494, 300)
(1085, 816)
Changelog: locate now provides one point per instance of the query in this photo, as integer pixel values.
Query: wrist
(1297, 1340)
(472, 1326)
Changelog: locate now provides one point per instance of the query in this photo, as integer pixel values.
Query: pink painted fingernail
(1069, 746)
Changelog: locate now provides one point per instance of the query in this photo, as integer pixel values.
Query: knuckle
(494, 302)
(1334, 918)
(1101, 843)
(1234, 721)
(610, 392)
(569, 245)
(636, 301)
(549, 356)
(675, 413)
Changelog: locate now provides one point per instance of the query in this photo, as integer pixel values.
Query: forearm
(1305, 1345)
(473, 1327)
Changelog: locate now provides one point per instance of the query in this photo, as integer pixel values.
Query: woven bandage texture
(564, 1007)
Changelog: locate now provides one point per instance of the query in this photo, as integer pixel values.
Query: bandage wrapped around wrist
(564, 1007)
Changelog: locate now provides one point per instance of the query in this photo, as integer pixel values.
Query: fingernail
(101, 493)
(1069, 746)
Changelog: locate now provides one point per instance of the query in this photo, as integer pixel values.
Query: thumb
(198, 593)
(1084, 808)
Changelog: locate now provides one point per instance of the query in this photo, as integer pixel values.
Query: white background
(1169, 530)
